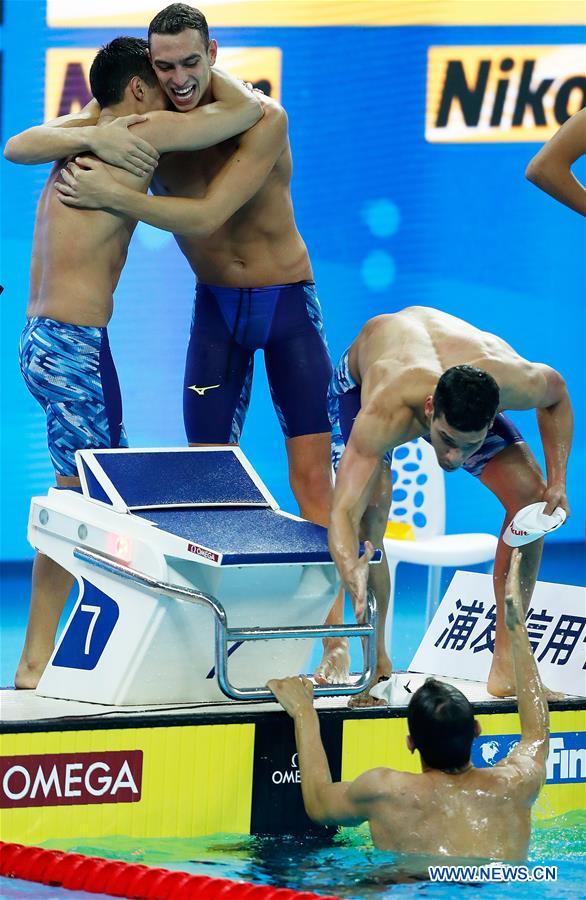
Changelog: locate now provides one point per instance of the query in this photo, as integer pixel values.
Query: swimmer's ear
(410, 744)
(212, 51)
(428, 406)
(136, 87)
(477, 728)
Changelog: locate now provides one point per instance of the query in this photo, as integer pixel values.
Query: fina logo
(490, 750)
(292, 776)
(566, 761)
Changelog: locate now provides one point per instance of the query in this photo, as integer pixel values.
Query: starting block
(184, 562)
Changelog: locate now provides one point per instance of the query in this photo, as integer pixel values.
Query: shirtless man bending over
(450, 808)
(423, 373)
(231, 211)
(77, 259)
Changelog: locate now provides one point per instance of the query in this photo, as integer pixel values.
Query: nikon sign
(505, 93)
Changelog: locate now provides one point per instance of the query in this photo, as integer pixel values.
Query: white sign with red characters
(65, 779)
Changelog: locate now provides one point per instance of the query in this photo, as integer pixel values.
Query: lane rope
(133, 881)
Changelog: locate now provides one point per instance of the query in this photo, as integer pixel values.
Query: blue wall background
(390, 220)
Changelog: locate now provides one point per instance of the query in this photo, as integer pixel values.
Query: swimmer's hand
(513, 604)
(555, 495)
(253, 90)
(117, 144)
(295, 694)
(87, 184)
(357, 582)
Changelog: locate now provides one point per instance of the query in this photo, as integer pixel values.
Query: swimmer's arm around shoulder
(550, 169)
(115, 142)
(528, 758)
(238, 181)
(234, 110)
(54, 140)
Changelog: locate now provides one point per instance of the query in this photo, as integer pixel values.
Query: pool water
(348, 867)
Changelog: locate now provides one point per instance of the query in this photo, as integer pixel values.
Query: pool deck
(22, 711)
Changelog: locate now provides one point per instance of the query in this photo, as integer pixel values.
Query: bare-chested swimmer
(231, 211)
(551, 168)
(424, 373)
(451, 808)
(77, 259)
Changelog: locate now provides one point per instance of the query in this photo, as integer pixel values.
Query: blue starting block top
(245, 536)
(144, 479)
(210, 497)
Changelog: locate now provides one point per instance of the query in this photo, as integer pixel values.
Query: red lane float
(130, 880)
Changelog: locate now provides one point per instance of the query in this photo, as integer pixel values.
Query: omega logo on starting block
(203, 551)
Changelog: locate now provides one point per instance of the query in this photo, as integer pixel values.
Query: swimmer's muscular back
(405, 353)
(259, 244)
(477, 813)
(78, 255)
(422, 336)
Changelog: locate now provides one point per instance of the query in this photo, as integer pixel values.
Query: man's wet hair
(176, 18)
(114, 66)
(441, 724)
(467, 397)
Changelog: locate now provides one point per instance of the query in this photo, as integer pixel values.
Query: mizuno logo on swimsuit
(201, 390)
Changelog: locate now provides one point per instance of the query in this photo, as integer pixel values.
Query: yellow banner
(319, 13)
(381, 742)
(195, 780)
(502, 93)
(67, 74)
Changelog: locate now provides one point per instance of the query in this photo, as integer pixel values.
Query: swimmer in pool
(551, 168)
(451, 808)
(423, 373)
(78, 256)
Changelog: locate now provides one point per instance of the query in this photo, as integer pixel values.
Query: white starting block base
(194, 518)
(162, 651)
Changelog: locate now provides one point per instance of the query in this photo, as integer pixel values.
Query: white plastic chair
(419, 501)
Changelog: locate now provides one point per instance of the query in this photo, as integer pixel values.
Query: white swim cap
(531, 523)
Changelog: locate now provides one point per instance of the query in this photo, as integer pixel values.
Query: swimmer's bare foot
(27, 676)
(500, 684)
(553, 695)
(30, 668)
(334, 667)
(363, 700)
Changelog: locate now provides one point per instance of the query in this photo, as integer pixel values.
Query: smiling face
(183, 66)
(452, 447)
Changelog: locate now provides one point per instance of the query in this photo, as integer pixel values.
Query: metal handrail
(225, 635)
(188, 595)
